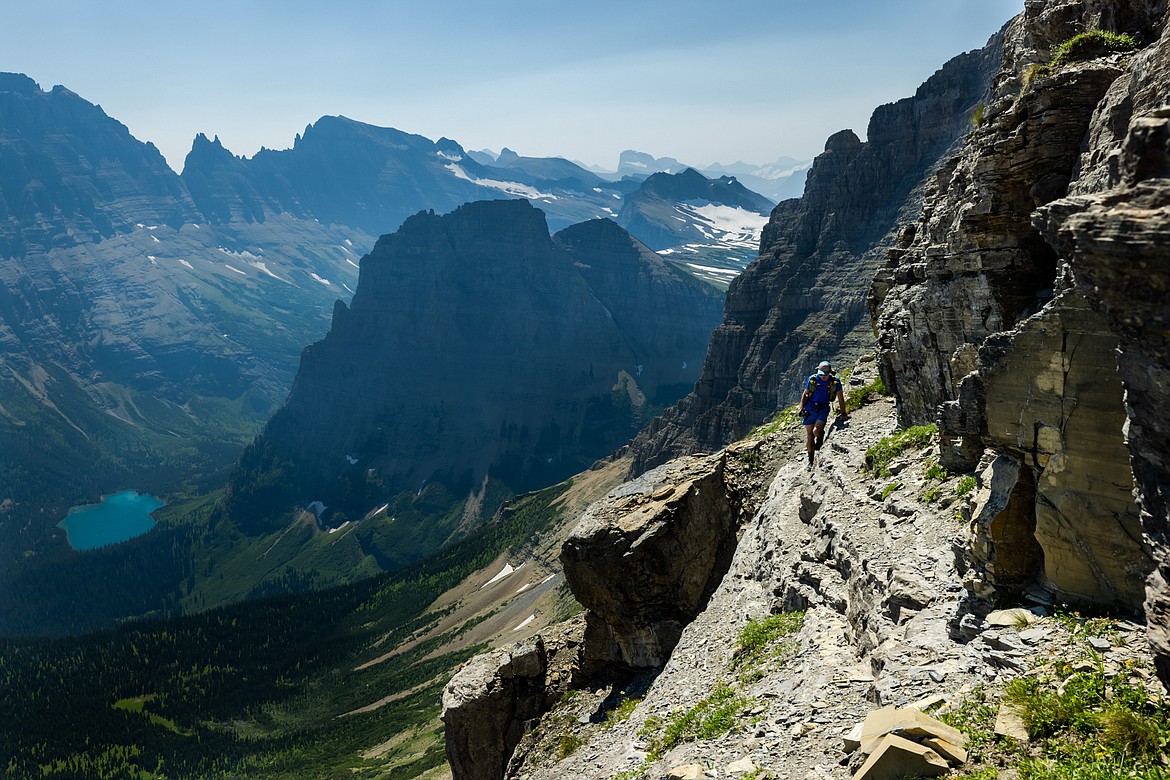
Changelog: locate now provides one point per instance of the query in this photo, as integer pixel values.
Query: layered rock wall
(991, 323)
(1118, 244)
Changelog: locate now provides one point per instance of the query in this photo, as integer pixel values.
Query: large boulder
(486, 706)
(645, 559)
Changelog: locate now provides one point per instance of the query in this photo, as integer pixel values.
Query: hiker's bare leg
(808, 441)
(820, 434)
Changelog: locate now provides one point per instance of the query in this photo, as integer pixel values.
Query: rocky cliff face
(996, 315)
(478, 348)
(799, 302)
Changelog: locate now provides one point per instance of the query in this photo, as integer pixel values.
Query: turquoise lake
(119, 516)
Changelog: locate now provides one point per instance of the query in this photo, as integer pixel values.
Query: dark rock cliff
(478, 347)
(799, 301)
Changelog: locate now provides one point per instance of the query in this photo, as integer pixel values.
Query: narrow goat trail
(879, 580)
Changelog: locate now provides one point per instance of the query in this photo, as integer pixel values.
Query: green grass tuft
(785, 418)
(621, 712)
(1090, 44)
(965, 486)
(860, 396)
(757, 639)
(978, 115)
(879, 456)
(934, 470)
(712, 717)
(567, 745)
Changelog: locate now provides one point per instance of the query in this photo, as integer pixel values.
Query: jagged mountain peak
(18, 82)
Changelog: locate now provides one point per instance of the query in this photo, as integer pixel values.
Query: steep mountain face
(140, 346)
(1004, 310)
(799, 301)
(55, 192)
(477, 349)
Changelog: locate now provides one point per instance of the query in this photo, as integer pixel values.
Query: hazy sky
(704, 81)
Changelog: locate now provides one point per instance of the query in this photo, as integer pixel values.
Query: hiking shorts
(815, 413)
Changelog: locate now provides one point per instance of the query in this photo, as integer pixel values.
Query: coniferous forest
(258, 689)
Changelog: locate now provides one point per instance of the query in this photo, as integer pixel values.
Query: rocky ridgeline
(800, 300)
(888, 630)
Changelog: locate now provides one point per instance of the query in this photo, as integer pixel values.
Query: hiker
(814, 405)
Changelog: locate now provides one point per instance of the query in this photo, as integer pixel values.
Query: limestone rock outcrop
(1118, 245)
(485, 707)
(644, 560)
(799, 301)
(990, 322)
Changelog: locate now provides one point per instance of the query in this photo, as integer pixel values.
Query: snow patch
(504, 572)
(713, 270)
(153, 260)
(524, 587)
(233, 268)
(325, 282)
(262, 267)
(351, 262)
(549, 577)
(451, 157)
(509, 187)
(346, 286)
(525, 622)
(338, 528)
(246, 256)
(184, 262)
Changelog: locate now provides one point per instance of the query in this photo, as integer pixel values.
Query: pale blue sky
(710, 81)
